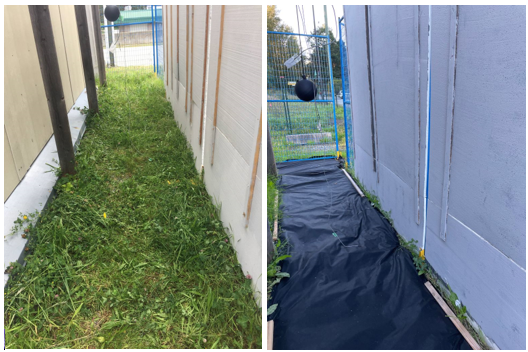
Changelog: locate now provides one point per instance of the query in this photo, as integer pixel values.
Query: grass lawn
(131, 253)
(305, 118)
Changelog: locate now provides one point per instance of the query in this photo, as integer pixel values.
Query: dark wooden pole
(49, 68)
(272, 166)
(86, 54)
(270, 246)
(99, 44)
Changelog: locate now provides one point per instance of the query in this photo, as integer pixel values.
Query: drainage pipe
(427, 133)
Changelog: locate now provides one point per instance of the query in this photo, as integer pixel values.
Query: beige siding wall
(27, 125)
(239, 112)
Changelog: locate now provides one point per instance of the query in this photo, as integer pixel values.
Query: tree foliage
(320, 51)
(280, 48)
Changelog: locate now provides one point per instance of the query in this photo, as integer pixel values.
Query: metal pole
(99, 44)
(344, 91)
(107, 45)
(156, 24)
(331, 78)
(111, 40)
(153, 49)
(287, 110)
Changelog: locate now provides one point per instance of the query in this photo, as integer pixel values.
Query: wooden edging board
(470, 340)
(270, 335)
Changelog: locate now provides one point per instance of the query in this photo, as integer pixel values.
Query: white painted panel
(239, 107)
(240, 91)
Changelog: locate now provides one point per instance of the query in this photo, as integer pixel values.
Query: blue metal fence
(158, 28)
(347, 107)
(300, 130)
(135, 39)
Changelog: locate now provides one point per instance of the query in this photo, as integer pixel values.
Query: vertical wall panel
(480, 135)
(489, 127)
(239, 106)
(89, 15)
(26, 116)
(393, 60)
(27, 124)
(61, 55)
(73, 49)
(10, 174)
(240, 90)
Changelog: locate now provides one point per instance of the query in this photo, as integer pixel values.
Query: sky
(288, 15)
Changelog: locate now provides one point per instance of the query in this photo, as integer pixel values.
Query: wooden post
(254, 173)
(49, 68)
(187, 61)
(270, 246)
(192, 61)
(204, 70)
(272, 166)
(218, 78)
(270, 335)
(86, 54)
(99, 44)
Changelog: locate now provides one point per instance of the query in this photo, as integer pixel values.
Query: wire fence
(300, 130)
(135, 40)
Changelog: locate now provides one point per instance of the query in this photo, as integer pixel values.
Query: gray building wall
(476, 235)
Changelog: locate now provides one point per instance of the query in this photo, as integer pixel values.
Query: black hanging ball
(112, 13)
(305, 89)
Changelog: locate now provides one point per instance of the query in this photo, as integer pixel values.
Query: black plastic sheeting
(359, 290)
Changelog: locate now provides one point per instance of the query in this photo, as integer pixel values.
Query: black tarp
(359, 290)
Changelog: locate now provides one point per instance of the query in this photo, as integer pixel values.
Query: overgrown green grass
(274, 273)
(131, 253)
(272, 207)
(304, 118)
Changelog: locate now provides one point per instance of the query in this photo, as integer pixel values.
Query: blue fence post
(344, 90)
(332, 88)
(153, 49)
(156, 24)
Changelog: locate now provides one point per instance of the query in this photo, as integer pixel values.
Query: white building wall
(476, 234)
(239, 104)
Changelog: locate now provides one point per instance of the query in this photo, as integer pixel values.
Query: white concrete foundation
(35, 190)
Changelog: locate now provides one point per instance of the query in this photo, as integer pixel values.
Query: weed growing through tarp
(131, 253)
(273, 209)
(274, 273)
(423, 267)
